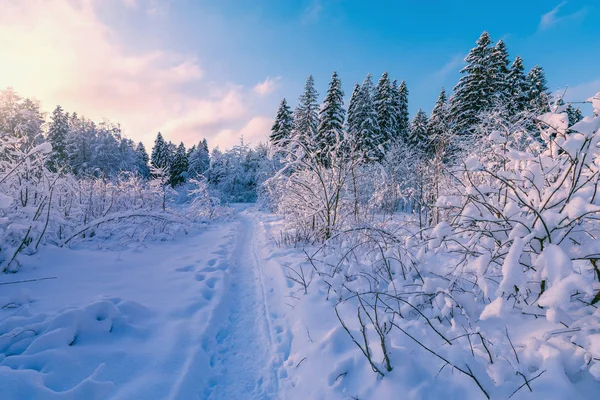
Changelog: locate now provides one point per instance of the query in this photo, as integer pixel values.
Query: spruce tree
(473, 92)
(395, 106)
(438, 126)
(419, 134)
(351, 139)
(574, 114)
(386, 114)
(538, 94)
(331, 120)
(283, 125)
(142, 160)
(199, 160)
(403, 121)
(57, 136)
(499, 73)
(160, 153)
(306, 116)
(368, 135)
(518, 87)
(179, 166)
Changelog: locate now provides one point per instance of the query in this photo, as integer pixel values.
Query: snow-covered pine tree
(306, 115)
(191, 150)
(160, 153)
(57, 136)
(574, 114)
(438, 125)
(284, 124)
(141, 161)
(473, 93)
(419, 134)
(105, 154)
(518, 87)
(199, 160)
(538, 94)
(403, 121)
(80, 142)
(386, 114)
(179, 166)
(331, 120)
(499, 73)
(368, 136)
(395, 106)
(351, 126)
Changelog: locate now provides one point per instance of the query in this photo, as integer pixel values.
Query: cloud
(553, 17)
(451, 66)
(61, 52)
(255, 131)
(312, 12)
(583, 91)
(267, 86)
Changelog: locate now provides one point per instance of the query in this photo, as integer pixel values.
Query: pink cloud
(62, 53)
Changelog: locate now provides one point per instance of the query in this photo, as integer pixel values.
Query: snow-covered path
(240, 351)
(186, 319)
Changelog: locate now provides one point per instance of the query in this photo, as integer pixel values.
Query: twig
(29, 280)
(526, 383)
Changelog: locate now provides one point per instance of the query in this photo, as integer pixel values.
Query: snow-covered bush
(505, 289)
(39, 206)
(315, 197)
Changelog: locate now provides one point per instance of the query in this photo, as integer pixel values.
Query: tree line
(377, 116)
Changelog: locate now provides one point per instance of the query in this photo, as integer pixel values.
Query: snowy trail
(187, 319)
(240, 350)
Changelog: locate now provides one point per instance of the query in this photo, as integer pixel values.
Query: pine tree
(81, 138)
(171, 151)
(351, 139)
(518, 87)
(419, 134)
(438, 126)
(284, 124)
(204, 145)
(473, 93)
(331, 120)
(403, 121)
(574, 114)
(499, 68)
(306, 115)
(538, 95)
(160, 157)
(386, 114)
(106, 155)
(141, 161)
(368, 135)
(57, 136)
(179, 166)
(199, 160)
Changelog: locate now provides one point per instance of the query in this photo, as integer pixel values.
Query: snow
(44, 148)
(182, 319)
(595, 100)
(5, 201)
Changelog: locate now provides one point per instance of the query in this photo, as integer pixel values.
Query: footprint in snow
(187, 268)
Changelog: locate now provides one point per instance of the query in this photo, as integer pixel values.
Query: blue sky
(421, 42)
(227, 48)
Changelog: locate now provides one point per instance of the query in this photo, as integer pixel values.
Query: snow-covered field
(209, 315)
(182, 320)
